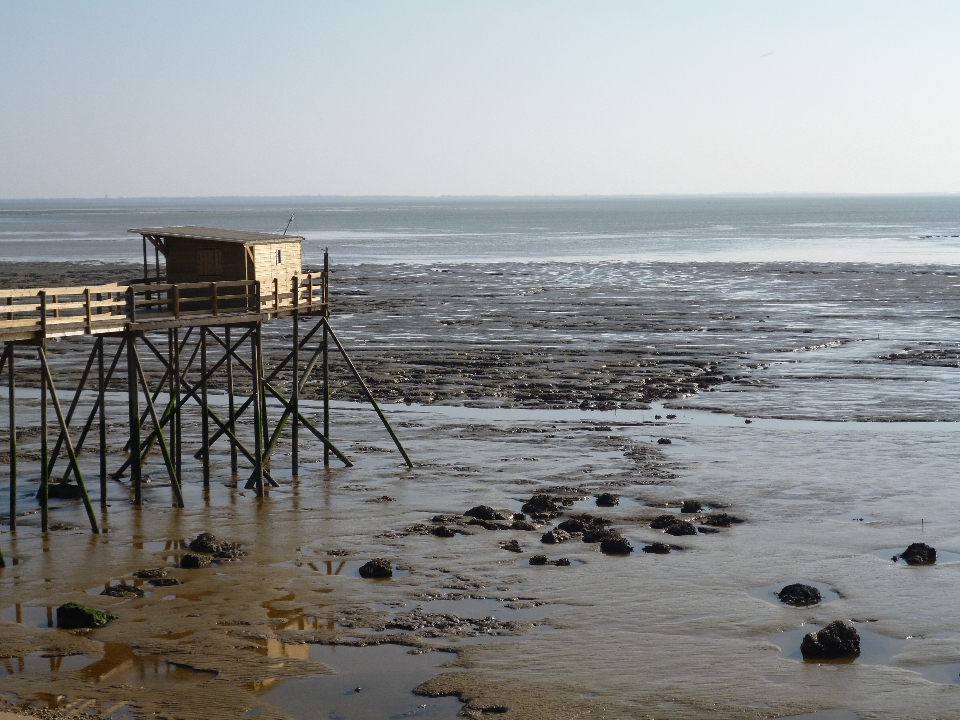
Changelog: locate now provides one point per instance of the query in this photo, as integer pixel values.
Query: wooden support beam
(73, 405)
(11, 397)
(43, 495)
(102, 389)
(366, 391)
(174, 480)
(45, 369)
(204, 421)
(255, 378)
(295, 387)
(232, 422)
(133, 408)
(326, 359)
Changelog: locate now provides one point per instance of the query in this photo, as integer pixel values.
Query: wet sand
(677, 635)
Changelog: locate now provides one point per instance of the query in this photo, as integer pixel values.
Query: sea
(909, 229)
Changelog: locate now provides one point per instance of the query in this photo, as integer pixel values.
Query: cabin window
(278, 257)
(209, 262)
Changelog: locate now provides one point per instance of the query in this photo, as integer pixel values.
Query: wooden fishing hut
(201, 311)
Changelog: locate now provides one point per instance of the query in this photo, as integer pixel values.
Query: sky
(178, 99)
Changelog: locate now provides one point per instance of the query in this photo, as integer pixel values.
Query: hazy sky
(457, 97)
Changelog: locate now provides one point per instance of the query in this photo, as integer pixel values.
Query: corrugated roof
(192, 232)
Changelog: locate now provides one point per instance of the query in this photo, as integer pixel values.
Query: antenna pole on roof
(288, 224)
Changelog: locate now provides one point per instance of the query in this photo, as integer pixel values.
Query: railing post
(43, 312)
(86, 300)
(213, 288)
(176, 302)
(256, 290)
(132, 304)
(310, 291)
(276, 294)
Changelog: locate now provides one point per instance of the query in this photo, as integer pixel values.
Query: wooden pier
(210, 329)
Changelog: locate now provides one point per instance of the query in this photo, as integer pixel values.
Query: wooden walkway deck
(32, 315)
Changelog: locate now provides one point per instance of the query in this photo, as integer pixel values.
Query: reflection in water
(42, 616)
(120, 664)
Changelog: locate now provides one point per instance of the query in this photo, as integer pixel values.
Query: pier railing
(31, 313)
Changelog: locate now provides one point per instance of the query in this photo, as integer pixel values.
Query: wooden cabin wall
(266, 267)
(184, 257)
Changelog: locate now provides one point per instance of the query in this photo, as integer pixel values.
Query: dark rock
(519, 516)
(919, 554)
(664, 441)
(836, 640)
(376, 568)
(691, 506)
(192, 562)
(543, 504)
(65, 491)
(799, 595)
(444, 519)
(615, 544)
(512, 546)
(522, 525)
(75, 615)
(229, 553)
(681, 527)
(555, 536)
(488, 524)
(164, 582)
(483, 512)
(443, 531)
(662, 522)
(598, 535)
(150, 573)
(562, 562)
(584, 523)
(671, 417)
(657, 548)
(607, 500)
(209, 543)
(123, 590)
(539, 560)
(720, 520)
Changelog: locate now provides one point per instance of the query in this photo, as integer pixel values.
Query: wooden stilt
(73, 406)
(326, 364)
(12, 395)
(43, 495)
(175, 397)
(98, 406)
(255, 378)
(61, 419)
(204, 422)
(168, 461)
(295, 387)
(369, 396)
(134, 410)
(102, 405)
(232, 421)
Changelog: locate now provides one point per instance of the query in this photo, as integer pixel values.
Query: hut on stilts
(202, 310)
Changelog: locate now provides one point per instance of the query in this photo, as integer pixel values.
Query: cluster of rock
(590, 529)
(208, 543)
(918, 554)
(123, 590)
(156, 577)
(544, 560)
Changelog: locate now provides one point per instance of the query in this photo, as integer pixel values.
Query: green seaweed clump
(75, 615)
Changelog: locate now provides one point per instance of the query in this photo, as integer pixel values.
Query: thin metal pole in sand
(231, 422)
(12, 392)
(204, 422)
(45, 369)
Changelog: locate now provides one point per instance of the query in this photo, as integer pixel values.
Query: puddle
(946, 674)
(162, 545)
(37, 663)
(943, 556)
(769, 593)
(875, 649)
(385, 674)
(120, 665)
(41, 616)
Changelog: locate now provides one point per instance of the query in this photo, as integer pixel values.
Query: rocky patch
(836, 641)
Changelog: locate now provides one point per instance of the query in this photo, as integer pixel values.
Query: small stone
(164, 582)
(671, 417)
(522, 525)
(193, 562)
(511, 546)
(122, 590)
(664, 441)
(836, 640)
(597, 535)
(562, 562)
(482, 512)
(615, 545)
(691, 506)
(662, 522)
(555, 536)
(720, 520)
(539, 560)
(657, 548)
(607, 500)
(150, 573)
(799, 595)
(919, 554)
(376, 568)
(443, 531)
(681, 527)
(208, 543)
(542, 503)
(356, 689)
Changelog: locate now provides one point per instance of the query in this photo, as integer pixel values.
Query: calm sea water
(883, 229)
